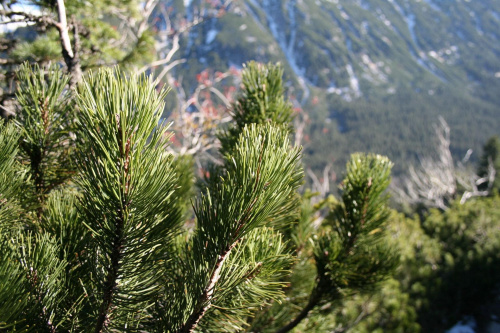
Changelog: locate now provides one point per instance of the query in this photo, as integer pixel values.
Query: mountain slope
(373, 75)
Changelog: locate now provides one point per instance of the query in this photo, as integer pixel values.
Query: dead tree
(437, 181)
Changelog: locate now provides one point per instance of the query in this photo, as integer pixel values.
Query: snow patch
(350, 92)
(373, 72)
(414, 47)
(447, 55)
(278, 32)
(477, 23)
(364, 5)
(467, 325)
(410, 21)
(353, 81)
(9, 27)
(433, 5)
(348, 44)
(365, 26)
(211, 34)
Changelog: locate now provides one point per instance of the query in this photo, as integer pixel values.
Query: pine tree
(79, 35)
(490, 160)
(348, 250)
(104, 246)
(87, 35)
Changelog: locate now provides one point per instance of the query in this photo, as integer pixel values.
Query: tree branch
(362, 315)
(204, 303)
(167, 68)
(313, 301)
(110, 285)
(44, 20)
(70, 55)
(71, 59)
(63, 28)
(168, 58)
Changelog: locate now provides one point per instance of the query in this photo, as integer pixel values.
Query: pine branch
(204, 303)
(38, 294)
(313, 302)
(117, 245)
(129, 192)
(32, 293)
(262, 100)
(110, 284)
(253, 276)
(259, 178)
(350, 258)
(46, 124)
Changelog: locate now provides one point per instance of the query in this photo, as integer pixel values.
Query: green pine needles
(232, 219)
(11, 175)
(46, 119)
(93, 211)
(262, 100)
(128, 200)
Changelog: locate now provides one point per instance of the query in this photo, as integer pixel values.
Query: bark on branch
(71, 58)
(204, 303)
(18, 16)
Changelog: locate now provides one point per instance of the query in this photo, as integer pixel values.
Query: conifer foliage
(93, 232)
(262, 101)
(10, 176)
(46, 120)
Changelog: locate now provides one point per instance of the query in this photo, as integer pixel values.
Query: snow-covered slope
(347, 47)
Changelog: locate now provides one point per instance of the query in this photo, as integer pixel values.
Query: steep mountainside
(373, 75)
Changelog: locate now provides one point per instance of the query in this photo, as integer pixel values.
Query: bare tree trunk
(438, 180)
(71, 57)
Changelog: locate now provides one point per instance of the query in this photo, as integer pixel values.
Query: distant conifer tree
(490, 160)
